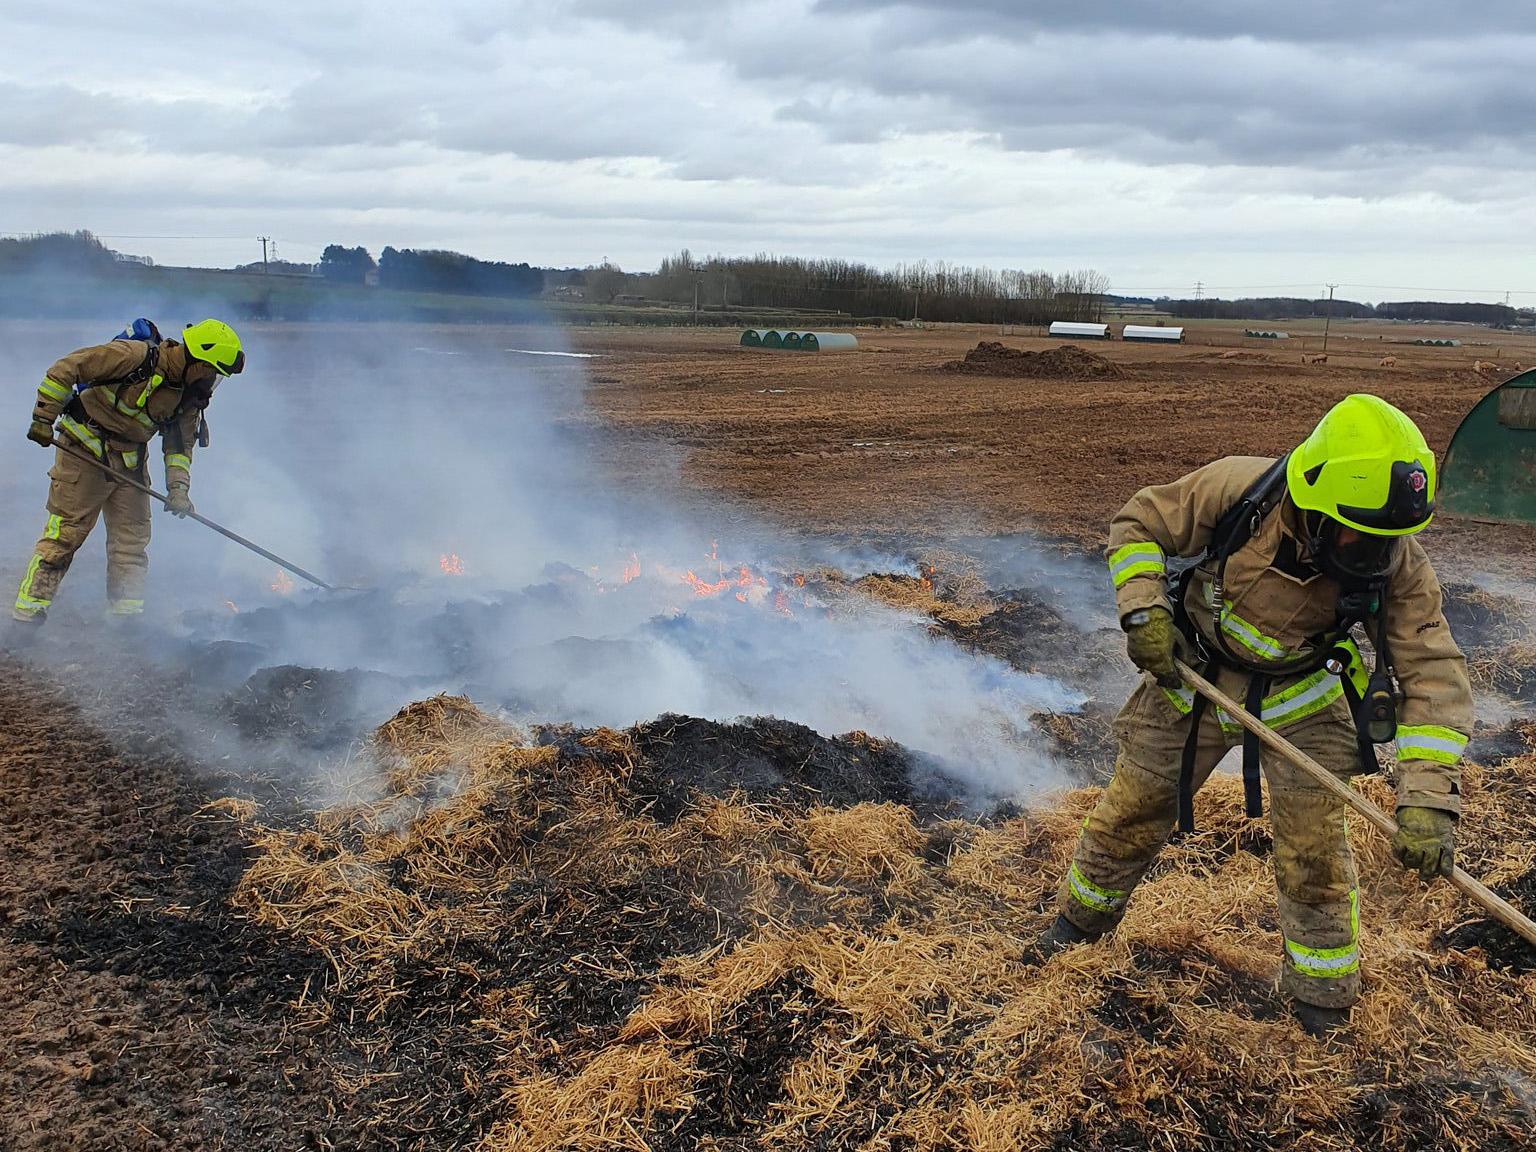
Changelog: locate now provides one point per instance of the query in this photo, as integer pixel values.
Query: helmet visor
(1351, 556)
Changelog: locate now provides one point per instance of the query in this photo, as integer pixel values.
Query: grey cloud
(58, 113)
(1158, 82)
(1295, 21)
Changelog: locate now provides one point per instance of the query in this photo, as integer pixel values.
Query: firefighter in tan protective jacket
(109, 402)
(1293, 555)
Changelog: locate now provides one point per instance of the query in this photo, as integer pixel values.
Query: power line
(125, 236)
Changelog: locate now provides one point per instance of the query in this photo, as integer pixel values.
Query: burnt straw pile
(691, 935)
(1068, 362)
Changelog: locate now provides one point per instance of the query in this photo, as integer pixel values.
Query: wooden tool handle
(1499, 908)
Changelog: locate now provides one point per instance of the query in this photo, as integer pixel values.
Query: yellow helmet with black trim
(214, 342)
(1366, 465)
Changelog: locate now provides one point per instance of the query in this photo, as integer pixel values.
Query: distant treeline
(1295, 307)
(937, 291)
(64, 270)
(77, 252)
(430, 270)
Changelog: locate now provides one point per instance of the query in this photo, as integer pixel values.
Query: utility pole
(1199, 296)
(265, 240)
(917, 295)
(1328, 316)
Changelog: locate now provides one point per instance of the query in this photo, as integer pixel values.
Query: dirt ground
(884, 439)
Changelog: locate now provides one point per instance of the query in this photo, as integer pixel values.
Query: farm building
(1440, 343)
(1264, 334)
(1152, 335)
(1080, 331)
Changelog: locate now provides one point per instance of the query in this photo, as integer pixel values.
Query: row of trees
(937, 291)
(58, 252)
(932, 291)
(1497, 315)
(430, 270)
(1263, 308)
(1295, 307)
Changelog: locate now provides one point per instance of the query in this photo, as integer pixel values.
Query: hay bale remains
(545, 956)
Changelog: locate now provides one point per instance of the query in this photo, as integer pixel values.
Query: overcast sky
(1257, 147)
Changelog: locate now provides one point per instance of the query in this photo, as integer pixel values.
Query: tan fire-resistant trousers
(1314, 870)
(78, 494)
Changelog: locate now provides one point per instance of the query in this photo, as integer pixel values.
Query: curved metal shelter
(1489, 471)
(827, 341)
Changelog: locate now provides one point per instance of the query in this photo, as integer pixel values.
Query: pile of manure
(1068, 362)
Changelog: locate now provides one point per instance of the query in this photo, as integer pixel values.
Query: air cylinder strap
(1253, 797)
(1187, 763)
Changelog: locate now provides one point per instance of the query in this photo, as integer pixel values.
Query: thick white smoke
(368, 452)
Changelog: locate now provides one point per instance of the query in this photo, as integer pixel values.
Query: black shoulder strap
(137, 375)
(1238, 523)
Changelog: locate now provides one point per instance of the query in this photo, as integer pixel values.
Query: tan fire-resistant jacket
(130, 414)
(1276, 601)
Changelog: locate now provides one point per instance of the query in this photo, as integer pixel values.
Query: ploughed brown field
(882, 439)
(700, 935)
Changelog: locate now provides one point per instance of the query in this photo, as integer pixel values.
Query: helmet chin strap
(1312, 526)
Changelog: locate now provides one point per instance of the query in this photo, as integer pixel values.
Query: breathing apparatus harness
(194, 396)
(1372, 699)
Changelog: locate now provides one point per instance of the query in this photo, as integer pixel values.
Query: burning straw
(550, 955)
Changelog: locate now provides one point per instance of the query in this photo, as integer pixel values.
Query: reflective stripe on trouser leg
(128, 523)
(1128, 827)
(29, 604)
(1120, 839)
(74, 501)
(1315, 871)
(51, 558)
(30, 598)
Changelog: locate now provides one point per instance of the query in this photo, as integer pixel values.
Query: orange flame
(703, 588)
(282, 583)
(451, 564)
(632, 568)
(743, 579)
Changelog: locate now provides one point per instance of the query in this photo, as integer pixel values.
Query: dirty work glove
(178, 503)
(1426, 841)
(41, 432)
(1149, 642)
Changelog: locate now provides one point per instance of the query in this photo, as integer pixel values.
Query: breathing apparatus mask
(1357, 560)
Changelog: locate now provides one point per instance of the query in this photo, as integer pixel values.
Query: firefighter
(109, 401)
(1293, 556)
